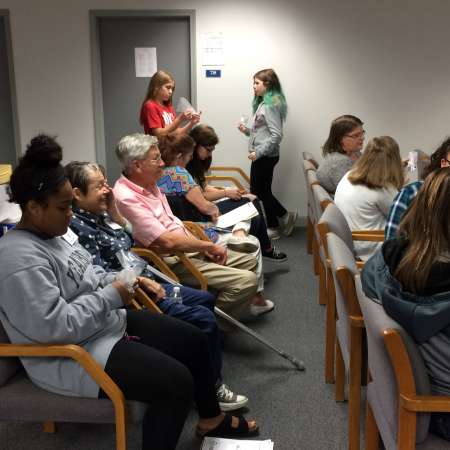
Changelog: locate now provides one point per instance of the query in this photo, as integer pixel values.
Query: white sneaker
(273, 234)
(288, 222)
(243, 244)
(257, 310)
(228, 400)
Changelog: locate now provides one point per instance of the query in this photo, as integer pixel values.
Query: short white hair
(134, 147)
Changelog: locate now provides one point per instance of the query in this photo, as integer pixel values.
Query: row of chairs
(362, 344)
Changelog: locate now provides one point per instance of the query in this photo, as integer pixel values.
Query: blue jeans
(197, 309)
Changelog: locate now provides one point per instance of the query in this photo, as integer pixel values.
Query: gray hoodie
(265, 129)
(50, 293)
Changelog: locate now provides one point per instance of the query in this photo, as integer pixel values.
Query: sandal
(226, 430)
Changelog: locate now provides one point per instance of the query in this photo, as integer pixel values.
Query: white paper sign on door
(145, 61)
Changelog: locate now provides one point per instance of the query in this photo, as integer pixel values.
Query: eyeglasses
(358, 135)
(156, 160)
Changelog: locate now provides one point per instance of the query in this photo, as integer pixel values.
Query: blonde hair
(380, 165)
(160, 78)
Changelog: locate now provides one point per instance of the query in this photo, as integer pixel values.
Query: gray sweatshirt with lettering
(50, 293)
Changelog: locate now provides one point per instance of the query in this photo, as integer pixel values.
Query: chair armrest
(235, 181)
(143, 299)
(368, 235)
(151, 257)
(77, 353)
(231, 169)
(196, 230)
(357, 321)
(425, 403)
(202, 280)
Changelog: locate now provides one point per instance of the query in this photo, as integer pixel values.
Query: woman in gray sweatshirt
(50, 293)
(340, 151)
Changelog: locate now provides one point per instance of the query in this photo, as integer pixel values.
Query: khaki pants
(235, 282)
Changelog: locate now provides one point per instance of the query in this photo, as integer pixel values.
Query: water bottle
(176, 295)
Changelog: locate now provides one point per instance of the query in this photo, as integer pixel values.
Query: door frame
(94, 16)
(4, 13)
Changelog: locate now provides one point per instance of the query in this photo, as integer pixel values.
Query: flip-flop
(226, 430)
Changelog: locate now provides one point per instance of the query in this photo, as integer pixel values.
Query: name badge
(70, 237)
(112, 225)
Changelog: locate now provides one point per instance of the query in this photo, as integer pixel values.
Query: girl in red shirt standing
(158, 116)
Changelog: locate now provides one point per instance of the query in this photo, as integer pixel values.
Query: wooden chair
(348, 332)
(398, 394)
(310, 179)
(22, 400)
(332, 220)
(321, 199)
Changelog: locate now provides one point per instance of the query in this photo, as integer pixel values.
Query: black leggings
(261, 175)
(167, 368)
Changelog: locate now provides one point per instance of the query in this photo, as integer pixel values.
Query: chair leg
(121, 435)
(330, 331)
(322, 284)
(340, 375)
(315, 250)
(309, 236)
(372, 435)
(49, 427)
(406, 435)
(354, 388)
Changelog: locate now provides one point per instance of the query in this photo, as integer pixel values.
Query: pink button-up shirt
(148, 212)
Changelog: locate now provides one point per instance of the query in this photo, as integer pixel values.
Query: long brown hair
(173, 144)
(426, 226)
(204, 136)
(160, 78)
(380, 165)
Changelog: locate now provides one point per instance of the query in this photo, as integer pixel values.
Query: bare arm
(196, 197)
(171, 241)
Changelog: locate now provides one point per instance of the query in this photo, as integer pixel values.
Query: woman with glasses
(340, 151)
(365, 194)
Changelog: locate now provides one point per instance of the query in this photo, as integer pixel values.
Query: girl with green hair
(265, 131)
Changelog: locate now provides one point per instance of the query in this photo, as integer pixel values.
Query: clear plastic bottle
(176, 295)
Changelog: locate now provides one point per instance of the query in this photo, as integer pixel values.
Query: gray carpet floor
(295, 409)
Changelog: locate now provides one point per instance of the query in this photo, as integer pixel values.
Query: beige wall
(385, 61)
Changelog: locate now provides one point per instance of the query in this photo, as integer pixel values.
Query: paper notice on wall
(145, 61)
(212, 48)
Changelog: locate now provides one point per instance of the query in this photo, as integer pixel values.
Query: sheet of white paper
(210, 443)
(145, 61)
(212, 47)
(240, 214)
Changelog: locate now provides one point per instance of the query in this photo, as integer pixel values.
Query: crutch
(299, 365)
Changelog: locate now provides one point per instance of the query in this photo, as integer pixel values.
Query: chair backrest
(337, 224)
(311, 180)
(308, 165)
(343, 268)
(307, 156)
(321, 198)
(382, 391)
(9, 366)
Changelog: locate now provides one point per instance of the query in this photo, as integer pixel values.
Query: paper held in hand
(240, 214)
(211, 443)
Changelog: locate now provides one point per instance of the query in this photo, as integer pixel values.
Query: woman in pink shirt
(158, 116)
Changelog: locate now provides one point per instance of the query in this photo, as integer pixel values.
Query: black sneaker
(275, 255)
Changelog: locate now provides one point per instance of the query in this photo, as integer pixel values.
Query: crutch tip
(300, 365)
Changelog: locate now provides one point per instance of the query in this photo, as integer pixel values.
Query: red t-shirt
(154, 115)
